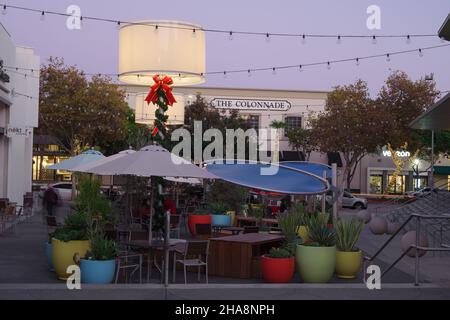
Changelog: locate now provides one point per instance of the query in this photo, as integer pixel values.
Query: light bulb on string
(339, 41)
(194, 34)
(300, 68)
(267, 37)
(42, 15)
(303, 39)
(118, 25)
(408, 39)
(328, 65)
(224, 74)
(249, 73)
(274, 71)
(230, 37)
(4, 10)
(374, 40)
(388, 58)
(357, 61)
(420, 53)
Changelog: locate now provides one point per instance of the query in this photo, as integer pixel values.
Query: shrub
(102, 249)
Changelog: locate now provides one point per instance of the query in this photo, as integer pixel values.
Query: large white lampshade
(145, 113)
(176, 49)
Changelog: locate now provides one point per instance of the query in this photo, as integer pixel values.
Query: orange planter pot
(194, 219)
(277, 270)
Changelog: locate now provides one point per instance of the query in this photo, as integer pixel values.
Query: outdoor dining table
(233, 230)
(238, 256)
(157, 244)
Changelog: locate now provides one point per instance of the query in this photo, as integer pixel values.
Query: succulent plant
(279, 253)
(347, 233)
(319, 233)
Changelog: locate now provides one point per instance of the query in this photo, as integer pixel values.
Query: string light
(43, 16)
(388, 58)
(4, 11)
(303, 39)
(231, 35)
(408, 39)
(267, 37)
(118, 25)
(249, 73)
(300, 68)
(420, 53)
(357, 61)
(328, 65)
(338, 39)
(374, 40)
(274, 71)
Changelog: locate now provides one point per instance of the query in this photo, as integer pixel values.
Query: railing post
(416, 278)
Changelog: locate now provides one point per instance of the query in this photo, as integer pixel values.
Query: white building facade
(372, 176)
(19, 109)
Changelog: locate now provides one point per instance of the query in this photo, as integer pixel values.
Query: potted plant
(67, 241)
(316, 259)
(199, 216)
(348, 258)
(99, 263)
(219, 216)
(278, 265)
(302, 221)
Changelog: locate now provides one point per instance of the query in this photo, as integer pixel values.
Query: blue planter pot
(49, 256)
(97, 271)
(220, 220)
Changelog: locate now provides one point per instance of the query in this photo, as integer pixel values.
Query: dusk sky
(94, 48)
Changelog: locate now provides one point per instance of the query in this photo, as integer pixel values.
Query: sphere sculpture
(392, 227)
(364, 216)
(378, 225)
(409, 239)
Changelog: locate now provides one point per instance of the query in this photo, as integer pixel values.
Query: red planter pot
(277, 270)
(194, 219)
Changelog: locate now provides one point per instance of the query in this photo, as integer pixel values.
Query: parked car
(419, 193)
(350, 201)
(64, 190)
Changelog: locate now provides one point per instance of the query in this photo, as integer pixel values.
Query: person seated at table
(144, 210)
(169, 205)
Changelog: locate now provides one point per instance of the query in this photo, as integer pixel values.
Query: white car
(63, 189)
(419, 193)
(350, 201)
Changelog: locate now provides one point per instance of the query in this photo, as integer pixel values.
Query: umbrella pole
(152, 211)
(166, 248)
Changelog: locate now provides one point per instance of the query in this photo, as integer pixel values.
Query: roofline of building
(444, 30)
(4, 28)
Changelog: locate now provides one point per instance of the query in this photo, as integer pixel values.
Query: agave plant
(319, 233)
(347, 234)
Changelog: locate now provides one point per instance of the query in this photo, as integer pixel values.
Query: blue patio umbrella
(290, 178)
(81, 159)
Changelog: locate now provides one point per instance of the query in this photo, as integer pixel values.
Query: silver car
(350, 201)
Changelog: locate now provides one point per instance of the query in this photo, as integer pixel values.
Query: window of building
(253, 121)
(292, 123)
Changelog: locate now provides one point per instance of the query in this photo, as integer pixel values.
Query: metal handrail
(418, 217)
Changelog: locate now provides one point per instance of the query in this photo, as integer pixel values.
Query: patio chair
(9, 218)
(127, 261)
(197, 249)
(175, 220)
(251, 229)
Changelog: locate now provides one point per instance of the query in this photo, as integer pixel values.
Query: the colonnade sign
(250, 104)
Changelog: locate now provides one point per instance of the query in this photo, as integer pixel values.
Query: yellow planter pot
(348, 264)
(63, 252)
(233, 218)
(303, 233)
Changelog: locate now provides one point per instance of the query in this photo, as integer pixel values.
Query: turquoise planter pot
(221, 220)
(315, 264)
(49, 256)
(97, 271)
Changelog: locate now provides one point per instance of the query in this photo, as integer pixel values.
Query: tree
(404, 100)
(301, 140)
(351, 124)
(79, 112)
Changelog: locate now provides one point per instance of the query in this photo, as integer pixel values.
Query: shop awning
(442, 170)
(286, 179)
(437, 117)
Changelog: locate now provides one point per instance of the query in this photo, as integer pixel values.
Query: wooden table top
(251, 238)
(155, 243)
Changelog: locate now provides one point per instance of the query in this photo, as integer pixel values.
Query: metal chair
(197, 249)
(126, 261)
(175, 220)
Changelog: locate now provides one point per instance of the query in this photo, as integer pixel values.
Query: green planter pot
(316, 264)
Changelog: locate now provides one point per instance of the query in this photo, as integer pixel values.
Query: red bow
(164, 85)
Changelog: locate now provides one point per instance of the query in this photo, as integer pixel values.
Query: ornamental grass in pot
(316, 259)
(99, 263)
(348, 257)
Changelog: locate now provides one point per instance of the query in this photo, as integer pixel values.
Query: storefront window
(376, 184)
(293, 122)
(42, 174)
(397, 187)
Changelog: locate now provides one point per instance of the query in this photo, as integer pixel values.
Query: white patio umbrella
(154, 161)
(71, 163)
(85, 167)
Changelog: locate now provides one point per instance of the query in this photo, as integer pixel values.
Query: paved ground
(24, 274)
